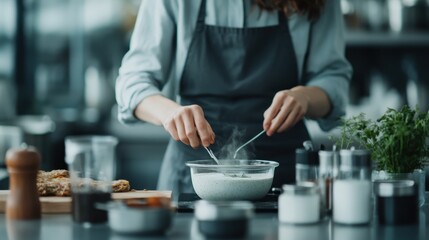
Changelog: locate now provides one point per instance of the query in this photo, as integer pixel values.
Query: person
(240, 66)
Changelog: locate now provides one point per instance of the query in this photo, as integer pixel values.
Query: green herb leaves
(397, 140)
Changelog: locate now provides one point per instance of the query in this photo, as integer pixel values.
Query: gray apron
(233, 74)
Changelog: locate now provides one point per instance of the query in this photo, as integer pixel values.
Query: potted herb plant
(397, 141)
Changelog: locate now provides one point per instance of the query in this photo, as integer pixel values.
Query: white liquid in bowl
(217, 186)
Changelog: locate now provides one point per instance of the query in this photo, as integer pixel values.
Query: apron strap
(282, 19)
(201, 15)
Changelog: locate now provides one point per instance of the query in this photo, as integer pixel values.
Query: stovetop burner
(267, 204)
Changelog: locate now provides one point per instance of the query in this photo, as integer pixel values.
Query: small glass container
(307, 165)
(352, 188)
(146, 216)
(223, 219)
(326, 178)
(396, 201)
(300, 204)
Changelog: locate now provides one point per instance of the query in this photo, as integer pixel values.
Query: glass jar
(223, 219)
(418, 176)
(307, 165)
(352, 188)
(396, 201)
(299, 204)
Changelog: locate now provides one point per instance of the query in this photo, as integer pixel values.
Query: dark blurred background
(59, 61)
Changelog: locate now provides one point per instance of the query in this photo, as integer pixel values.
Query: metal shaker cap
(355, 158)
(394, 188)
(306, 157)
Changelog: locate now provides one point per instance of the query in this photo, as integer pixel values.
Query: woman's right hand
(184, 123)
(188, 124)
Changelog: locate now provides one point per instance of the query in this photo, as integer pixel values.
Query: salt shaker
(307, 165)
(23, 201)
(352, 188)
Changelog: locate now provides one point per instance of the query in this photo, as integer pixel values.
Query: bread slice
(57, 183)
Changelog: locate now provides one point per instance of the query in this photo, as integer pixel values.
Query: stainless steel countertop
(262, 226)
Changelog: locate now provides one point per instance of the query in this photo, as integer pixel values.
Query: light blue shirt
(164, 30)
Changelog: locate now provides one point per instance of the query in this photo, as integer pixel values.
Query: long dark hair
(310, 7)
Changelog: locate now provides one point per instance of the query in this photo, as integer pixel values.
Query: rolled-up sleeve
(147, 66)
(327, 67)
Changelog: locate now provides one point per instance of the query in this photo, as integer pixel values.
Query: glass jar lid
(355, 158)
(303, 188)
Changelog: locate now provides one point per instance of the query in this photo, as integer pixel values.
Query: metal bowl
(136, 219)
(232, 179)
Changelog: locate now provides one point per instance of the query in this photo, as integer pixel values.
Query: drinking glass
(91, 163)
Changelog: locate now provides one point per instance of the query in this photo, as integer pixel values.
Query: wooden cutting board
(63, 204)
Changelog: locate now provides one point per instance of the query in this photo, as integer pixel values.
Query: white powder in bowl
(217, 186)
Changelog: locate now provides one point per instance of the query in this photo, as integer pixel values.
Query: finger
(279, 119)
(181, 131)
(290, 120)
(273, 110)
(201, 125)
(212, 134)
(270, 114)
(267, 122)
(190, 129)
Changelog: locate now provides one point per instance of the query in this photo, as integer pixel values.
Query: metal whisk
(251, 140)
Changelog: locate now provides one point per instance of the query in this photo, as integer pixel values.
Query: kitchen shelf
(387, 39)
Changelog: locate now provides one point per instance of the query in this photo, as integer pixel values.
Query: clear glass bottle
(307, 165)
(326, 178)
(352, 188)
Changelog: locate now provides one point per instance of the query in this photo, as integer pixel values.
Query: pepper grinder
(23, 201)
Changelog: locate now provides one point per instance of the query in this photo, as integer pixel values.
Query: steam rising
(234, 141)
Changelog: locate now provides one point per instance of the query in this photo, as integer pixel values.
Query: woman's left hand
(288, 108)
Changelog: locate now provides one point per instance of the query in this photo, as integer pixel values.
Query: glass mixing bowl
(232, 179)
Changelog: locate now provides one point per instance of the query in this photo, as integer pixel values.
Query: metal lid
(307, 157)
(392, 188)
(355, 158)
(303, 188)
(223, 210)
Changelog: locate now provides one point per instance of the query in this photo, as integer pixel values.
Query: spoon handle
(251, 140)
(212, 155)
